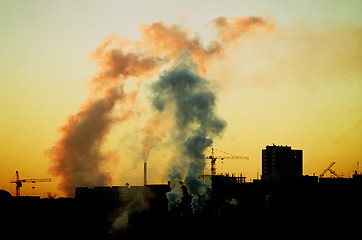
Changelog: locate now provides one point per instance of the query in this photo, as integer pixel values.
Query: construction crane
(19, 182)
(214, 158)
(329, 168)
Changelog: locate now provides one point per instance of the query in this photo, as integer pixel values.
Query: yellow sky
(298, 85)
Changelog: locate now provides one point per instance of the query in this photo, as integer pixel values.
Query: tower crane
(214, 158)
(329, 168)
(19, 182)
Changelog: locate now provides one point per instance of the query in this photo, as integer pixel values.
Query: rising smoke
(77, 156)
(182, 93)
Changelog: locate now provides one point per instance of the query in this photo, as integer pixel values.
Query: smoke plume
(77, 156)
(135, 200)
(231, 29)
(171, 40)
(168, 41)
(181, 92)
(154, 131)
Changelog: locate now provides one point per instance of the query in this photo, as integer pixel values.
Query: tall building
(281, 163)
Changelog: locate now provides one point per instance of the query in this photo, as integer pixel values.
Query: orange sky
(298, 84)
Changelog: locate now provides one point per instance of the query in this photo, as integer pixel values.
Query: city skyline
(295, 83)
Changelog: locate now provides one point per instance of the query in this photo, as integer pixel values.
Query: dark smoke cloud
(192, 102)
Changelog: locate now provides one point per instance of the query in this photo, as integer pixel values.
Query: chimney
(145, 173)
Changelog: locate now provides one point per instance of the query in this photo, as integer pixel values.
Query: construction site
(282, 201)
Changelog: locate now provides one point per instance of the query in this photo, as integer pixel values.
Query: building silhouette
(281, 163)
(231, 206)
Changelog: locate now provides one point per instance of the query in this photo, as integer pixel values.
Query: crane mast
(19, 182)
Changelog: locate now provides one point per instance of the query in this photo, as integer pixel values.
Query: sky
(298, 83)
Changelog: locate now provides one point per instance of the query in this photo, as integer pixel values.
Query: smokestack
(145, 173)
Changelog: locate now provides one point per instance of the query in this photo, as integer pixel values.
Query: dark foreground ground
(229, 211)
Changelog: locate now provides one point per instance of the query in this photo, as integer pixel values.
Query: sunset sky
(296, 83)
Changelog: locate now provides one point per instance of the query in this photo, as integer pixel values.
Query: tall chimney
(145, 173)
